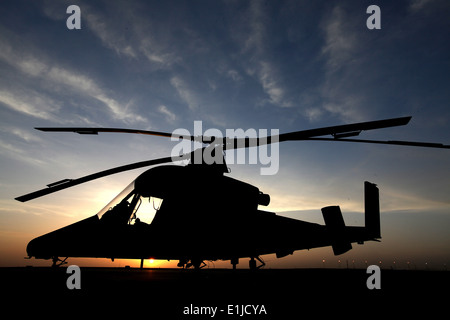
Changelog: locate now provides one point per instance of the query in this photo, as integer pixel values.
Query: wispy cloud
(59, 79)
(255, 48)
(394, 199)
(103, 26)
(155, 54)
(131, 36)
(108, 35)
(169, 115)
(313, 114)
(31, 103)
(268, 78)
(25, 135)
(19, 149)
(90, 88)
(234, 75)
(188, 96)
(417, 5)
(344, 104)
(257, 25)
(340, 41)
(340, 53)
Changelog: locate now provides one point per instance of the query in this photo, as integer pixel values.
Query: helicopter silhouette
(224, 220)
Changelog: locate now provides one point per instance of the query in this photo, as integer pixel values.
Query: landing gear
(234, 262)
(197, 264)
(182, 263)
(58, 262)
(252, 263)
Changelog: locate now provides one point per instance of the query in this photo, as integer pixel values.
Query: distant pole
(142, 263)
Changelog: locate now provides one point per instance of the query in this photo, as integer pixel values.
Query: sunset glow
(282, 65)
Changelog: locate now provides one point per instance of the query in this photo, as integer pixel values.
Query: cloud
(340, 41)
(103, 26)
(88, 87)
(253, 36)
(234, 75)
(268, 78)
(16, 58)
(31, 103)
(24, 135)
(155, 54)
(257, 19)
(345, 105)
(108, 34)
(313, 114)
(188, 96)
(131, 35)
(170, 116)
(339, 92)
(58, 79)
(417, 5)
(398, 199)
(20, 144)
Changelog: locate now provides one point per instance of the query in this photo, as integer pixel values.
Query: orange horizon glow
(396, 245)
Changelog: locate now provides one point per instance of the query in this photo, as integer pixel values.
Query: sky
(285, 65)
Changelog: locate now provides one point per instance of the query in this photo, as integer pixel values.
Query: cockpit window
(146, 209)
(117, 199)
(130, 207)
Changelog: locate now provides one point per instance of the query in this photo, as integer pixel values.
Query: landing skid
(197, 264)
(252, 263)
(57, 262)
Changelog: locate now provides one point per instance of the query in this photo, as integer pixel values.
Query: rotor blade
(392, 142)
(346, 130)
(340, 131)
(67, 183)
(95, 131)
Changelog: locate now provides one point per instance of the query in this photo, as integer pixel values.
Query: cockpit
(163, 195)
(143, 198)
(130, 207)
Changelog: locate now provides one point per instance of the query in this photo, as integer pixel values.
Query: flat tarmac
(232, 294)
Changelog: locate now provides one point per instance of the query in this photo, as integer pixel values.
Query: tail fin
(336, 228)
(372, 210)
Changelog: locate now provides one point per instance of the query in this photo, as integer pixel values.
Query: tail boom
(341, 236)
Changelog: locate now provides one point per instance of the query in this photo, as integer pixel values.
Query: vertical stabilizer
(336, 228)
(372, 210)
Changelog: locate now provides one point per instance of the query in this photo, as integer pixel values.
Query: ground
(234, 294)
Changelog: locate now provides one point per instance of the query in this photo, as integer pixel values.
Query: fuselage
(204, 215)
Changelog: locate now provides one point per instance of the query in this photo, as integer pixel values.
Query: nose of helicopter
(65, 241)
(49, 245)
(38, 248)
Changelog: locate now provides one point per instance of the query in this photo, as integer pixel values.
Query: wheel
(252, 264)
